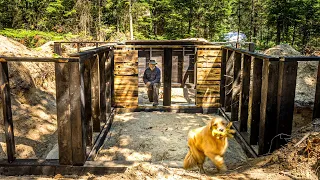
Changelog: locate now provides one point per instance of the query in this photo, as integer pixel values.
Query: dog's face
(218, 124)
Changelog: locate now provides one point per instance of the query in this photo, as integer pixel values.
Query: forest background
(265, 22)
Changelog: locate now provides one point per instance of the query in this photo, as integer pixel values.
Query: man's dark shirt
(152, 76)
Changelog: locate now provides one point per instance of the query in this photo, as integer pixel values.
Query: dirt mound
(282, 50)
(9, 47)
(306, 77)
(33, 100)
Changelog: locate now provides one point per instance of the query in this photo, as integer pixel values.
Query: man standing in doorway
(151, 78)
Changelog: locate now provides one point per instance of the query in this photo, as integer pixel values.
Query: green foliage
(267, 23)
(33, 38)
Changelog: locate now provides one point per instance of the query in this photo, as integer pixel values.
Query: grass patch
(33, 38)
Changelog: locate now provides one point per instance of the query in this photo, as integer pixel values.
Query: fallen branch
(304, 137)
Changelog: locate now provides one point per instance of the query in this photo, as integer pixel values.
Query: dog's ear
(212, 123)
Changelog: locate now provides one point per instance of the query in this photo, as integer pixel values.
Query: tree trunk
(294, 33)
(278, 31)
(190, 20)
(130, 16)
(252, 20)
(100, 38)
(239, 22)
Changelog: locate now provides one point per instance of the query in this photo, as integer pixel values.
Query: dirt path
(158, 137)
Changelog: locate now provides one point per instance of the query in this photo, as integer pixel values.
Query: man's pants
(153, 92)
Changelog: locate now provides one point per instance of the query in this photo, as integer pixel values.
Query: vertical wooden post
(251, 47)
(77, 112)
(62, 72)
(57, 48)
(191, 69)
(63, 78)
(95, 90)
(167, 77)
(236, 87)
(223, 78)
(229, 80)
(180, 66)
(255, 99)
(244, 96)
(286, 94)
(103, 85)
(268, 107)
(7, 113)
(86, 74)
(108, 82)
(316, 107)
(78, 47)
(112, 80)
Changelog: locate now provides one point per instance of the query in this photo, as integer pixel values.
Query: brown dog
(204, 142)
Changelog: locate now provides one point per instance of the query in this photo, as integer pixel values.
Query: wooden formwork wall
(126, 78)
(208, 65)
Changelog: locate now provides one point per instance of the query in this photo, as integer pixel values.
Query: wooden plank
(77, 113)
(316, 109)
(208, 82)
(236, 90)
(57, 48)
(95, 96)
(88, 101)
(207, 100)
(268, 108)
(109, 83)
(101, 138)
(229, 80)
(6, 111)
(239, 138)
(167, 76)
(208, 77)
(255, 97)
(286, 94)
(208, 65)
(175, 67)
(112, 79)
(126, 80)
(252, 47)
(222, 77)
(256, 55)
(203, 92)
(208, 53)
(62, 72)
(37, 59)
(208, 87)
(126, 98)
(210, 105)
(180, 66)
(126, 88)
(122, 65)
(208, 71)
(244, 95)
(201, 59)
(126, 93)
(192, 68)
(208, 95)
(125, 56)
(126, 71)
(103, 86)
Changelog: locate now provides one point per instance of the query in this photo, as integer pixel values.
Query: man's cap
(152, 61)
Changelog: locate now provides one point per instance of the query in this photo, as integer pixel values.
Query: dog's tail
(189, 161)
